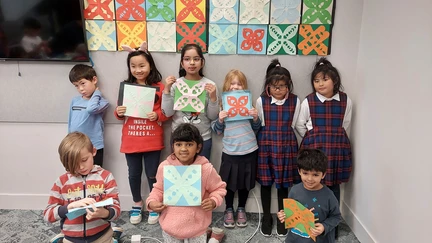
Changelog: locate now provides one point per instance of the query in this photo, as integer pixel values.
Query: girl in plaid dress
(278, 109)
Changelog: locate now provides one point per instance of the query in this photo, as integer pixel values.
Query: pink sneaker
(229, 218)
(241, 217)
(217, 235)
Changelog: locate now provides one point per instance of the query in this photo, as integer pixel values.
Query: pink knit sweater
(188, 222)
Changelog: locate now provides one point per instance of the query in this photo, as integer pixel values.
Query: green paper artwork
(189, 96)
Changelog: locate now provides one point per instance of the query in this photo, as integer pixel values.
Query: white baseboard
(356, 225)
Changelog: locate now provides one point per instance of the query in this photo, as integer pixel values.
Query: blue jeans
(135, 168)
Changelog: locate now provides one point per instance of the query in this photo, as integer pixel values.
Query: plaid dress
(277, 145)
(329, 136)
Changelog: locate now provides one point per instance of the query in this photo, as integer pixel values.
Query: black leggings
(243, 195)
(266, 198)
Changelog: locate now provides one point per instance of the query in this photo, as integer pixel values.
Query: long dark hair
(324, 67)
(182, 71)
(275, 72)
(154, 75)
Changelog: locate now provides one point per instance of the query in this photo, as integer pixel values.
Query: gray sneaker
(241, 217)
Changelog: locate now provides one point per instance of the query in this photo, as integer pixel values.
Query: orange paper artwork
(299, 217)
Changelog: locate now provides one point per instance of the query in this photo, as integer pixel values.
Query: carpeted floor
(27, 226)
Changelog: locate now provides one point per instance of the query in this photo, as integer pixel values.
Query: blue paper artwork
(182, 185)
(237, 104)
(222, 39)
(76, 212)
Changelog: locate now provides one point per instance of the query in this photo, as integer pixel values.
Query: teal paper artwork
(139, 100)
(252, 39)
(101, 35)
(282, 39)
(285, 12)
(76, 212)
(222, 39)
(317, 12)
(182, 185)
(189, 96)
(224, 11)
(160, 10)
(237, 104)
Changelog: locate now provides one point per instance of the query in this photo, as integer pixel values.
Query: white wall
(389, 197)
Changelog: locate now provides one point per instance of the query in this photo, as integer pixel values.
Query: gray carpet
(27, 226)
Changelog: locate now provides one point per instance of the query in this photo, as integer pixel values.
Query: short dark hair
(186, 132)
(81, 71)
(154, 75)
(182, 71)
(312, 160)
(324, 67)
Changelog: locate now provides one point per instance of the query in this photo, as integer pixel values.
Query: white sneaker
(153, 218)
(135, 215)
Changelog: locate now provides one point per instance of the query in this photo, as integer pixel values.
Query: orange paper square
(131, 33)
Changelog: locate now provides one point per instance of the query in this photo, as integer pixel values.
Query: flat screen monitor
(42, 30)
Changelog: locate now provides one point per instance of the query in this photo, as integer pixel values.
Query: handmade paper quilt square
(131, 33)
(254, 11)
(299, 217)
(99, 9)
(189, 96)
(188, 33)
(237, 104)
(130, 10)
(222, 39)
(314, 40)
(161, 36)
(182, 185)
(101, 35)
(160, 10)
(138, 99)
(252, 39)
(282, 39)
(317, 12)
(190, 11)
(224, 11)
(285, 12)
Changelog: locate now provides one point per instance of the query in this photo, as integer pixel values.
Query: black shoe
(280, 229)
(336, 232)
(266, 225)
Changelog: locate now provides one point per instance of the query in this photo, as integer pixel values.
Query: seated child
(83, 184)
(312, 166)
(187, 223)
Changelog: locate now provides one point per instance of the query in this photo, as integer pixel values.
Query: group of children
(262, 149)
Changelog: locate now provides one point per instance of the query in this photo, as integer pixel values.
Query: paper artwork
(252, 39)
(224, 11)
(285, 12)
(182, 185)
(237, 104)
(189, 96)
(131, 33)
(101, 35)
(282, 39)
(314, 40)
(299, 217)
(317, 12)
(138, 99)
(254, 11)
(99, 9)
(160, 10)
(190, 11)
(161, 36)
(188, 33)
(130, 10)
(76, 212)
(222, 39)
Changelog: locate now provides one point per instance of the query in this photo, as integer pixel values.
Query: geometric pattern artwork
(252, 39)
(189, 96)
(299, 217)
(191, 33)
(282, 39)
(314, 39)
(182, 185)
(98, 9)
(254, 11)
(160, 10)
(237, 104)
(161, 36)
(138, 99)
(285, 12)
(223, 11)
(130, 10)
(131, 33)
(222, 39)
(317, 12)
(190, 11)
(101, 35)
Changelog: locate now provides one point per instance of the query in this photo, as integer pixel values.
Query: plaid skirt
(239, 171)
(334, 142)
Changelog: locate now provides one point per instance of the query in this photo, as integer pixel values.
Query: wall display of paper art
(101, 35)
(252, 39)
(131, 33)
(237, 104)
(188, 33)
(182, 185)
(314, 40)
(130, 10)
(160, 10)
(254, 11)
(99, 9)
(222, 39)
(282, 39)
(299, 217)
(189, 96)
(285, 12)
(138, 99)
(317, 12)
(161, 36)
(224, 11)
(190, 11)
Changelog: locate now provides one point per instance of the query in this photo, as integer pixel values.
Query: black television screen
(46, 30)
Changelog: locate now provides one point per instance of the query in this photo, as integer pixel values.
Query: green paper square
(282, 39)
(178, 94)
(314, 39)
(188, 33)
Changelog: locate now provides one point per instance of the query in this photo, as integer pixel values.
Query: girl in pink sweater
(179, 223)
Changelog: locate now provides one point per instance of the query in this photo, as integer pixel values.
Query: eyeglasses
(279, 87)
(189, 59)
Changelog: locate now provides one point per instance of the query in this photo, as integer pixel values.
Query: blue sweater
(86, 116)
